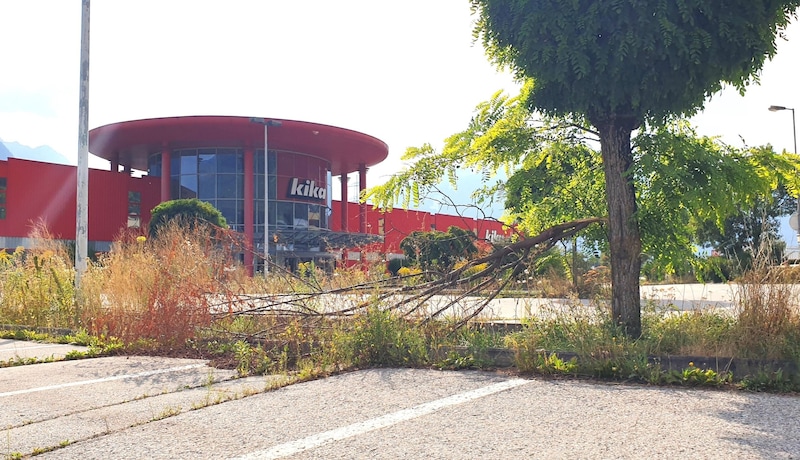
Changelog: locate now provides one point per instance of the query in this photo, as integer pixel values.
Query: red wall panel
(46, 193)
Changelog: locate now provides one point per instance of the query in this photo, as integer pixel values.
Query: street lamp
(777, 108)
(267, 123)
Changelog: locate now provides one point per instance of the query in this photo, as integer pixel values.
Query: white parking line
(104, 379)
(313, 441)
(36, 347)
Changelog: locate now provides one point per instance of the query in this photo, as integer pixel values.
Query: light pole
(777, 108)
(82, 191)
(267, 123)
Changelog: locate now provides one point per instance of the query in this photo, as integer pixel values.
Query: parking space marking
(313, 441)
(102, 380)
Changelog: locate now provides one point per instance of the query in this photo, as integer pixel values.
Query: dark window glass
(208, 161)
(188, 163)
(2, 197)
(188, 186)
(258, 185)
(273, 187)
(134, 197)
(285, 214)
(227, 161)
(300, 215)
(258, 212)
(154, 165)
(313, 216)
(228, 210)
(175, 165)
(271, 158)
(226, 186)
(239, 218)
(272, 213)
(207, 189)
(258, 161)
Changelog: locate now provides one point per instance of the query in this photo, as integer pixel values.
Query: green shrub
(187, 211)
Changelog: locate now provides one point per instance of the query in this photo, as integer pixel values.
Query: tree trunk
(623, 230)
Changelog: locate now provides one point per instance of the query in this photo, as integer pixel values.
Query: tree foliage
(190, 211)
(627, 57)
(687, 184)
(439, 250)
(620, 63)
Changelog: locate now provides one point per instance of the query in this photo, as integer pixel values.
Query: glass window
(258, 162)
(273, 216)
(227, 160)
(272, 161)
(239, 219)
(134, 197)
(258, 213)
(300, 215)
(175, 165)
(207, 162)
(285, 214)
(188, 186)
(273, 187)
(313, 216)
(188, 163)
(226, 186)
(258, 185)
(207, 189)
(228, 210)
(154, 165)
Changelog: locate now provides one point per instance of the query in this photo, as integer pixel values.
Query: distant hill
(4, 152)
(23, 152)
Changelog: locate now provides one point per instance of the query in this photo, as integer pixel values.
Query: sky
(407, 72)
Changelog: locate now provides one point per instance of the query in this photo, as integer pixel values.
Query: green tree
(684, 182)
(623, 63)
(439, 250)
(189, 211)
(745, 234)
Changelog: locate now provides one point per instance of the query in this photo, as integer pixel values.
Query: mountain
(4, 152)
(41, 153)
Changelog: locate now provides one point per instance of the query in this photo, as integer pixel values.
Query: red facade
(45, 193)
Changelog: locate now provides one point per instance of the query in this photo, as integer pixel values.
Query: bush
(188, 212)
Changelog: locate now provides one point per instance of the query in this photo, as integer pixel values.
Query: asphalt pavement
(140, 407)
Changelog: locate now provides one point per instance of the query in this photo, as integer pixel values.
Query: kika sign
(306, 189)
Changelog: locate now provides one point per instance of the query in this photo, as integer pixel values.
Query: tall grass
(36, 285)
(160, 289)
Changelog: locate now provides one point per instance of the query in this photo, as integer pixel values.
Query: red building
(221, 160)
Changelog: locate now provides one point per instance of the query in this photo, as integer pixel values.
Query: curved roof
(135, 140)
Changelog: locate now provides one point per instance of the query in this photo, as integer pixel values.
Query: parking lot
(146, 407)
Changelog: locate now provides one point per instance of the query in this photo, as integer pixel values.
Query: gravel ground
(534, 419)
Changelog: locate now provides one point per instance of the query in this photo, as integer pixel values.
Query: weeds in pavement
(182, 293)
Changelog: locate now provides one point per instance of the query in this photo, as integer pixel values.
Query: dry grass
(159, 289)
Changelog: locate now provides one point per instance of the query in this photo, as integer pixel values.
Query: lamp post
(777, 108)
(267, 123)
(82, 191)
